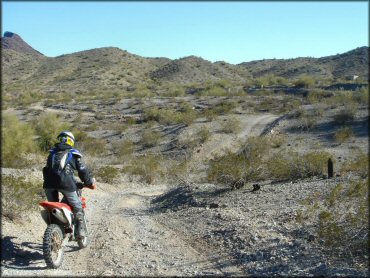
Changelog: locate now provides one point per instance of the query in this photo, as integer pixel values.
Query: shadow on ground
(15, 255)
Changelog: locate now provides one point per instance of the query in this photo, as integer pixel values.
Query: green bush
(343, 134)
(224, 108)
(234, 169)
(107, 174)
(342, 219)
(17, 141)
(48, 126)
(151, 138)
(92, 146)
(124, 148)
(231, 125)
(304, 81)
(358, 165)
(293, 166)
(191, 141)
(345, 116)
(19, 196)
(147, 166)
(170, 116)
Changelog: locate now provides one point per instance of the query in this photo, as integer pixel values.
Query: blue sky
(234, 32)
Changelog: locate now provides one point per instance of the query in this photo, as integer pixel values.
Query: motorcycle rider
(58, 177)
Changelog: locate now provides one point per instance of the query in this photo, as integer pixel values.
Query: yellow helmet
(66, 137)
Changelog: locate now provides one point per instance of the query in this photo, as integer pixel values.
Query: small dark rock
(256, 187)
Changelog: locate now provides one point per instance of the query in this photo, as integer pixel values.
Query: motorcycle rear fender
(49, 206)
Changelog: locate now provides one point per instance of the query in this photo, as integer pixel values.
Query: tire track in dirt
(129, 241)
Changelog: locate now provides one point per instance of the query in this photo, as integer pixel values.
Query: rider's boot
(80, 224)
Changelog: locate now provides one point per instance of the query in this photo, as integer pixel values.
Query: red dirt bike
(61, 229)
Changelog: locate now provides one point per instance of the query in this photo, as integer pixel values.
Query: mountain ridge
(111, 68)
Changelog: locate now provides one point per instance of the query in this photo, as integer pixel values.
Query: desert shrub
(79, 135)
(28, 97)
(307, 123)
(147, 166)
(185, 107)
(210, 114)
(17, 140)
(214, 91)
(345, 116)
(342, 219)
(107, 174)
(92, 146)
(277, 140)
(362, 96)
(203, 134)
(174, 91)
(293, 166)
(48, 125)
(19, 196)
(231, 125)
(124, 148)
(170, 116)
(298, 113)
(150, 138)
(223, 108)
(131, 121)
(175, 170)
(358, 165)
(234, 169)
(304, 81)
(343, 134)
(192, 140)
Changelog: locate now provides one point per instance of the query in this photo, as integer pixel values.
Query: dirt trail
(250, 125)
(125, 240)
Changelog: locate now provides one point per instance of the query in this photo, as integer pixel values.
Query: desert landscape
(202, 168)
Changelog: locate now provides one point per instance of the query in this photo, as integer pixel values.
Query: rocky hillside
(14, 42)
(343, 66)
(112, 69)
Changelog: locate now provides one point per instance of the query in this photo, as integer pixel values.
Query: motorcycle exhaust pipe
(59, 215)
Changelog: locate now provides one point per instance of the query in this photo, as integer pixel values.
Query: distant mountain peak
(9, 34)
(12, 41)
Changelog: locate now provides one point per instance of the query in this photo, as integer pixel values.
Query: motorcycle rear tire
(52, 246)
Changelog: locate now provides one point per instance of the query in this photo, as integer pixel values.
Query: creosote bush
(124, 148)
(17, 140)
(107, 174)
(92, 146)
(192, 140)
(170, 116)
(231, 125)
(343, 134)
(256, 162)
(234, 169)
(48, 125)
(19, 196)
(147, 166)
(345, 115)
(342, 219)
(151, 138)
(292, 165)
(358, 166)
